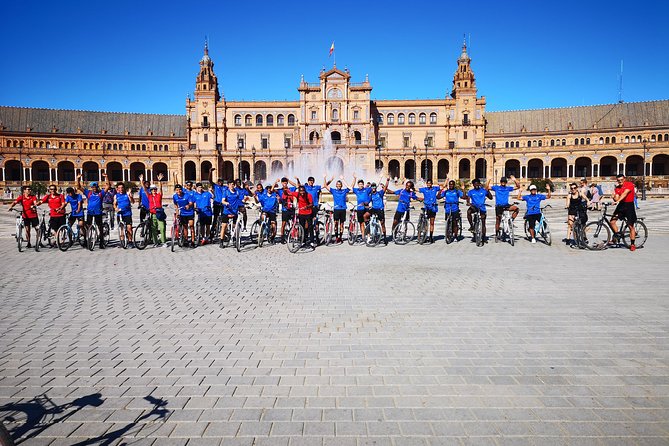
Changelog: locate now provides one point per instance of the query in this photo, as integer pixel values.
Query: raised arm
(548, 189)
(160, 182)
(515, 181)
(487, 184)
(79, 187)
(211, 176)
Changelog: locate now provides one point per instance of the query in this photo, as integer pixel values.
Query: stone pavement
(397, 345)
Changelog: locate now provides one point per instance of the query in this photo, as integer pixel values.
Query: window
(264, 143)
(205, 121)
(143, 146)
(576, 141)
(247, 120)
(465, 119)
(529, 143)
(291, 120)
(421, 118)
(451, 144)
(587, 140)
(540, 143)
(391, 119)
(601, 140)
(356, 115)
(279, 120)
(613, 140)
(627, 139)
(552, 142)
(433, 118)
(633, 140)
(464, 136)
(313, 115)
(430, 141)
(382, 142)
(335, 115)
(406, 142)
(238, 119)
(478, 144)
(219, 147)
(412, 118)
(564, 142)
(400, 119)
(205, 137)
(258, 120)
(506, 145)
(270, 120)
(379, 119)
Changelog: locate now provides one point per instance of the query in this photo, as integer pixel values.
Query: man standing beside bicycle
(75, 201)
(94, 197)
(185, 212)
(451, 197)
(202, 200)
(286, 200)
(339, 194)
(623, 197)
(218, 189)
(502, 192)
(379, 206)
(233, 201)
(123, 202)
(28, 201)
(476, 200)
(364, 198)
(533, 214)
(430, 202)
(269, 202)
(56, 203)
(405, 196)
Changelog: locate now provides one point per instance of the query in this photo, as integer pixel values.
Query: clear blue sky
(143, 56)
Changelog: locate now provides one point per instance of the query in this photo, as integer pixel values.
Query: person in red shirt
(155, 195)
(28, 201)
(305, 205)
(623, 197)
(57, 205)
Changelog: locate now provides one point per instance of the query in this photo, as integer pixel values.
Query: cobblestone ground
(397, 345)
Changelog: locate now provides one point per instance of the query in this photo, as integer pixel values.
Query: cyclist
(75, 201)
(28, 201)
(339, 194)
(305, 204)
(244, 189)
(57, 205)
(143, 198)
(185, 212)
(94, 197)
(451, 197)
(189, 191)
(623, 197)
(363, 195)
(430, 202)
(286, 200)
(157, 213)
(122, 203)
(202, 200)
(378, 206)
(502, 192)
(315, 191)
(533, 214)
(476, 199)
(404, 202)
(218, 189)
(108, 203)
(269, 200)
(233, 201)
(576, 204)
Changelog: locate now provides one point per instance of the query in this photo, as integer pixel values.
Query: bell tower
(464, 83)
(206, 84)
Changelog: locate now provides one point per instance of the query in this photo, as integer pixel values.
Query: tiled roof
(630, 114)
(42, 120)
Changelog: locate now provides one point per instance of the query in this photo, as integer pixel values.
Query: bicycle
(506, 226)
(143, 233)
(353, 227)
(67, 234)
(238, 231)
(422, 226)
(43, 234)
(296, 234)
(450, 235)
(319, 228)
(541, 229)
(405, 231)
(177, 234)
(599, 233)
(477, 224)
(262, 230)
(578, 231)
(20, 229)
(122, 231)
(328, 225)
(373, 231)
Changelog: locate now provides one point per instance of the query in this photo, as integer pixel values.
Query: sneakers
(385, 240)
(632, 247)
(29, 246)
(471, 229)
(533, 241)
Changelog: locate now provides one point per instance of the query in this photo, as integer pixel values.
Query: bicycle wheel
(512, 239)
(63, 238)
(641, 234)
(91, 237)
(546, 233)
(527, 229)
(422, 230)
(596, 235)
(352, 232)
(478, 234)
(139, 236)
(319, 227)
(106, 234)
(238, 235)
(295, 238)
(225, 238)
(174, 235)
(448, 232)
(19, 237)
(38, 238)
(122, 235)
(372, 234)
(256, 234)
(328, 231)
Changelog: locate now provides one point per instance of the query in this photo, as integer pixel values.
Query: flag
(331, 49)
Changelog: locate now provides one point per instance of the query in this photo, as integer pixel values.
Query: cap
(533, 187)
(93, 183)
(153, 186)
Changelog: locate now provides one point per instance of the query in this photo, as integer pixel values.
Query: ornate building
(434, 138)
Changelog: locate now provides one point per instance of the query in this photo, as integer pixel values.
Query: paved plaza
(397, 345)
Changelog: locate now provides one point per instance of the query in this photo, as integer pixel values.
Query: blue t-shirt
(181, 201)
(405, 198)
(314, 191)
(284, 208)
(502, 195)
(123, 204)
(477, 198)
(269, 202)
(190, 194)
(235, 199)
(94, 202)
(534, 203)
(364, 197)
(339, 198)
(377, 200)
(452, 200)
(218, 192)
(74, 203)
(430, 197)
(203, 202)
(144, 199)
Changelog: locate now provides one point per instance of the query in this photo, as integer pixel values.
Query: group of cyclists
(226, 201)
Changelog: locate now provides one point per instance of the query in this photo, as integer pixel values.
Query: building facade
(336, 126)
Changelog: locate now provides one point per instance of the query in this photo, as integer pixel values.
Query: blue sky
(143, 56)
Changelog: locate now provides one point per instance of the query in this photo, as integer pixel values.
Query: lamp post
(426, 141)
(286, 145)
(21, 165)
(414, 163)
(378, 154)
(253, 153)
(240, 147)
(488, 145)
(643, 175)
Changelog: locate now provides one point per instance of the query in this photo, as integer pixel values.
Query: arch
(291, 119)
(378, 166)
(660, 164)
(313, 137)
(512, 168)
(228, 170)
(379, 118)
(559, 168)
(442, 169)
(400, 119)
(535, 168)
(613, 140)
(583, 166)
(426, 169)
(90, 171)
(608, 166)
(259, 171)
(410, 169)
(13, 170)
(248, 120)
(358, 137)
(277, 167)
(115, 171)
(390, 119)
(159, 168)
(269, 120)
(394, 169)
(136, 169)
(205, 167)
(634, 166)
(464, 168)
(40, 171)
(245, 173)
(65, 171)
(279, 120)
(481, 169)
(422, 118)
(335, 136)
(334, 166)
(433, 118)
(412, 118)
(238, 120)
(259, 120)
(190, 171)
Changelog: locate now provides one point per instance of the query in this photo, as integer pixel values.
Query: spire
(206, 46)
(464, 56)
(206, 83)
(463, 80)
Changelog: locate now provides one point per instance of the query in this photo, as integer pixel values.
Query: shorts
(127, 219)
(361, 215)
(34, 222)
(204, 219)
(218, 207)
(533, 219)
(72, 218)
(225, 218)
(454, 215)
(431, 214)
(184, 219)
(499, 210)
(339, 215)
(627, 211)
(572, 210)
(287, 215)
(380, 214)
(98, 219)
(399, 215)
(56, 222)
(271, 216)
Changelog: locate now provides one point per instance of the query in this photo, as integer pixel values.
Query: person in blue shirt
(476, 200)
(339, 207)
(202, 199)
(405, 196)
(269, 202)
(533, 214)
(75, 201)
(123, 205)
(430, 193)
(233, 200)
(188, 190)
(379, 206)
(286, 199)
(185, 210)
(217, 190)
(502, 192)
(143, 199)
(93, 197)
(451, 196)
(363, 195)
(245, 190)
